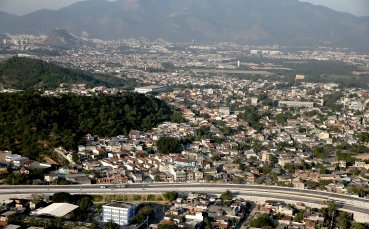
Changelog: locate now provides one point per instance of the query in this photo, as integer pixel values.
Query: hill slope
(61, 39)
(31, 123)
(25, 73)
(286, 22)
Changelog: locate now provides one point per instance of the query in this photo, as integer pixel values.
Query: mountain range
(283, 22)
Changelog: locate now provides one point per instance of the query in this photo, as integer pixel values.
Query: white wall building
(118, 212)
(148, 89)
(296, 104)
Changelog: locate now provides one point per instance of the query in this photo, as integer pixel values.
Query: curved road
(346, 202)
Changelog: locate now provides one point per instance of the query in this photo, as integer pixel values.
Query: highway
(26, 188)
(346, 202)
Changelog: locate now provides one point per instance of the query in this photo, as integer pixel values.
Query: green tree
(227, 195)
(239, 180)
(168, 145)
(202, 131)
(359, 190)
(331, 101)
(177, 117)
(167, 226)
(62, 197)
(17, 179)
(262, 221)
(345, 157)
(141, 215)
(343, 220)
(216, 158)
(359, 148)
(46, 122)
(56, 223)
(282, 118)
(290, 168)
(85, 203)
(170, 196)
(252, 116)
(111, 225)
(363, 137)
(157, 178)
(356, 225)
(151, 197)
(332, 207)
(94, 225)
(318, 152)
(299, 216)
(76, 158)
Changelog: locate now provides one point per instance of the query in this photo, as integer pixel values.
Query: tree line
(27, 74)
(31, 123)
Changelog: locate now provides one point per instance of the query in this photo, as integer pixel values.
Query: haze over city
(191, 114)
(19, 7)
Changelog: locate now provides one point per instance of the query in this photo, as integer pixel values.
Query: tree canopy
(62, 197)
(144, 212)
(26, 73)
(261, 221)
(111, 225)
(170, 196)
(252, 116)
(30, 123)
(167, 226)
(168, 145)
(227, 195)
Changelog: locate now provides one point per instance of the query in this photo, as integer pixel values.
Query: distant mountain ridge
(284, 22)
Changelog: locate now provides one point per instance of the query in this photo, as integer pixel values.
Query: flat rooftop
(57, 209)
(118, 204)
(150, 87)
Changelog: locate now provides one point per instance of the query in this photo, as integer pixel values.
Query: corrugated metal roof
(57, 209)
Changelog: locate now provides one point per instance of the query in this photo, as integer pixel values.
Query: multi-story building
(180, 176)
(296, 104)
(199, 175)
(118, 212)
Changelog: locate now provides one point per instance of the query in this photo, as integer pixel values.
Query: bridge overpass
(314, 198)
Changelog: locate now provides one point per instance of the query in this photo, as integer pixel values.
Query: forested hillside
(31, 123)
(26, 73)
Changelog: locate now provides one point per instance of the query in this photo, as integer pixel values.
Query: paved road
(302, 195)
(229, 71)
(324, 194)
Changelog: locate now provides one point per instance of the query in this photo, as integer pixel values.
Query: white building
(255, 52)
(118, 212)
(148, 89)
(296, 104)
(356, 105)
(56, 210)
(18, 160)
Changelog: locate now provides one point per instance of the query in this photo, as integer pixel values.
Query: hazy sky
(356, 7)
